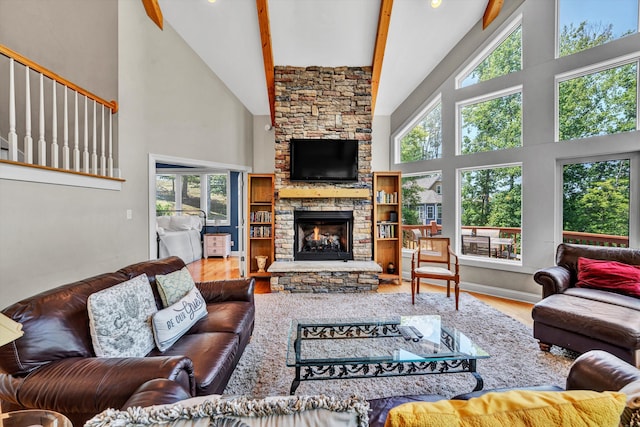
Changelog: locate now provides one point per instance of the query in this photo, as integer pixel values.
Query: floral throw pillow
(174, 286)
(120, 319)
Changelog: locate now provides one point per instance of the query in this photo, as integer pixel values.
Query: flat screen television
(331, 160)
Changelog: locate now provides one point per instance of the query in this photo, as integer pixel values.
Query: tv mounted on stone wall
(324, 160)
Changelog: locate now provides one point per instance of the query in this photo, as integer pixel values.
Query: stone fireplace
(323, 235)
(323, 103)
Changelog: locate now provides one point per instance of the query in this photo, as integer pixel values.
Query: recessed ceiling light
(212, 1)
(434, 3)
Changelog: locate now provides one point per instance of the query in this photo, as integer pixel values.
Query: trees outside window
(424, 140)
(207, 192)
(599, 103)
(503, 59)
(596, 198)
(492, 124)
(583, 24)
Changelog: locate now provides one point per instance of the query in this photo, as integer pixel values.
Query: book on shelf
(260, 216)
(384, 197)
(260, 231)
(386, 231)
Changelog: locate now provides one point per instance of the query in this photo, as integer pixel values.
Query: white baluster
(94, 154)
(28, 140)
(42, 147)
(54, 129)
(76, 140)
(110, 161)
(85, 151)
(103, 159)
(65, 133)
(12, 137)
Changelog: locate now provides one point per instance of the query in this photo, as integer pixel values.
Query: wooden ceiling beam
(267, 55)
(378, 51)
(153, 11)
(491, 12)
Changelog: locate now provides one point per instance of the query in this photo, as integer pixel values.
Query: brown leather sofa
(583, 319)
(53, 365)
(595, 370)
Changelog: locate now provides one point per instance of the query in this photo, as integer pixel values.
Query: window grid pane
(424, 141)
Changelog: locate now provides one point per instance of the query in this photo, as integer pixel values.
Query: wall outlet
(129, 213)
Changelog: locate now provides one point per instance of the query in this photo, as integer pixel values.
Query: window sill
(17, 171)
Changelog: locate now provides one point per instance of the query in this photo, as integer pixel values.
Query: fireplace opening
(323, 235)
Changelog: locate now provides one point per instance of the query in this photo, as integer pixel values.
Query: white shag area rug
(515, 357)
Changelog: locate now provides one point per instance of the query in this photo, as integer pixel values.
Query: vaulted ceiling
(241, 40)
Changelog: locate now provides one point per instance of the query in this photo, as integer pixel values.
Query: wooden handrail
(112, 105)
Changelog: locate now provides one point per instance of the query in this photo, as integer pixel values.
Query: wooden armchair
(434, 259)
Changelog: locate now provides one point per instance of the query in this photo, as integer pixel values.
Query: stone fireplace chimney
(325, 103)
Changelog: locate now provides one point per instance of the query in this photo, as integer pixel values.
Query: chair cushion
(434, 270)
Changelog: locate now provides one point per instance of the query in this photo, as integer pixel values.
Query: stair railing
(76, 153)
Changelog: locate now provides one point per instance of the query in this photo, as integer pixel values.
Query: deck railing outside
(514, 233)
(85, 144)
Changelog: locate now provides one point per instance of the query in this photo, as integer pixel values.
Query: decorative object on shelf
(393, 216)
(391, 268)
(262, 262)
(10, 330)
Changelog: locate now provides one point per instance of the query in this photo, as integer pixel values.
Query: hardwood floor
(229, 268)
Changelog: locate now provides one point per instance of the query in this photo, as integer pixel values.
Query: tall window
(494, 123)
(502, 59)
(207, 192)
(600, 103)
(596, 202)
(491, 204)
(424, 140)
(583, 24)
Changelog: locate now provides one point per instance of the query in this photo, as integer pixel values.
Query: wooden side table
(217, 244)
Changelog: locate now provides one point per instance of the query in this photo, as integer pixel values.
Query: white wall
(170, 104)
(264, 145)
(380, 129)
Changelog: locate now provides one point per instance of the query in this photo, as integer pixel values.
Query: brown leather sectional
(583, 319)
(53, 365)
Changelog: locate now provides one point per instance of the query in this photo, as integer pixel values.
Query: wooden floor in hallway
(229, 268)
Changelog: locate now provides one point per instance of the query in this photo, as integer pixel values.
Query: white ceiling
(327, 33)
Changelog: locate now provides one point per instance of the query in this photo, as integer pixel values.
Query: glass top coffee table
(329, 349)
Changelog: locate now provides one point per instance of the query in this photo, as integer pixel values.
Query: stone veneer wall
(331, 103)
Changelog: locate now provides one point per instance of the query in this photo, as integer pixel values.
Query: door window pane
(165, 192)
(218, 197)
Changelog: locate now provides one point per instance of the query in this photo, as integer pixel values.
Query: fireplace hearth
(323, 235)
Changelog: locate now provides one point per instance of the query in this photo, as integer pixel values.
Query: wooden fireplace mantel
(329, 192)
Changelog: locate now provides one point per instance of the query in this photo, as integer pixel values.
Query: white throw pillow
(181, 222)
(163, 221)
(174, 321)
(174, 286)
(120, 319)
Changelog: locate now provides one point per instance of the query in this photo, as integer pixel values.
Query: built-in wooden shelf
(308, 193)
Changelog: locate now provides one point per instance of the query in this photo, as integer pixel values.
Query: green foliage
(424, 141)
(505, 58)
(410, 200)
(596, 197)
(492, 197)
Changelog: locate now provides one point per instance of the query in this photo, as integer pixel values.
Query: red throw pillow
(609, 275)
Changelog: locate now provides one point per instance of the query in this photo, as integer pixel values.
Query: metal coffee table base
(322, 372)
